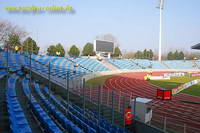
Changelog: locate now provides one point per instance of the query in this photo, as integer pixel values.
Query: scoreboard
(103, 46)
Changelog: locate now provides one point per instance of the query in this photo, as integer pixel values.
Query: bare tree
(6, 29)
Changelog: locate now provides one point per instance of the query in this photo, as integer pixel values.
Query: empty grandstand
(69, 106)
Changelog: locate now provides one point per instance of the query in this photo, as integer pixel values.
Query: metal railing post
(101, 91)
(49, 77)
(112, 121)
(99, 101)
(134, 109)
(184, 128)
(108, 97)
(84, 96)
(30, 72)
(67, 90)
(7, 64)
(123, 109)
(90, 89)
(165, 124)
(119, 102)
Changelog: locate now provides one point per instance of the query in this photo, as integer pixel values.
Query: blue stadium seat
(43, 117)
(17, 118)
(58, 115)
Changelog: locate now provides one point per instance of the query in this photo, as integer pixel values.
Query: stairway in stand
(165, 65)
(108, 65)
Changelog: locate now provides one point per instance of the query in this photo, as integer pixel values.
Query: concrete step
(108, 65)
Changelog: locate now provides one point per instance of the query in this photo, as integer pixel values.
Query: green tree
(181, 55)
(13, 40)
(60, 49)
(8, 29)
(51, 50)
(176, 55)
(117, 52)
(30, 46)
(170, 56)
(145, 54)
(74, 51)
(88, 50)
(54, 49)
(138, 55)
(151, 54)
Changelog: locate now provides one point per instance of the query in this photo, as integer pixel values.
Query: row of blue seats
(58, 71)
(57, 62)
(48, 124)
(90, 64)
(77, 114)
(183, 64)
(101, 121)
(101, 126)
(123, 63)
(91, 123)
(18, 121)
(86, 128)
(67, 124)
(2, 73)
(16, 61)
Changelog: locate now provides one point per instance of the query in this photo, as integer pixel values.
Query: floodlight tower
(161, 5)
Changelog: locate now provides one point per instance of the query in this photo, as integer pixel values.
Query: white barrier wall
(103, 73)
(159, 77)
(185, 86)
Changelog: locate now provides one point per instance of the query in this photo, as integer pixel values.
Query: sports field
(177, 81)
(95, 82)
(170, 84)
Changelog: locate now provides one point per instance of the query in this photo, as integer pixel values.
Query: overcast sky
(135, 23)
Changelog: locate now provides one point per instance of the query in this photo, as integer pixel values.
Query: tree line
(145, 54)
(177, 55)
(12, 35)
(74, 51)
(30, 46)
(171, 55)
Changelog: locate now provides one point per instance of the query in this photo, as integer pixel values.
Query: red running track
(175, 110)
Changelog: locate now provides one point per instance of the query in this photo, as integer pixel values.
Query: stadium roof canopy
(197, 46)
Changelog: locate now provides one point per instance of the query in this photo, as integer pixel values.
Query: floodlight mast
(161, 5)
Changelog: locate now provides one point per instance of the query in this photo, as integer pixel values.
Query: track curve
(175, 110)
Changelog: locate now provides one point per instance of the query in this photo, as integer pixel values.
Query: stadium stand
(18, 121)
(68, 125)
(180, 64)
(92, 119)
(2, 73)
(40, 64)
(43, 117)
(123, 63)
(142, 63)
(133, 64)
(90, 64)
(51, 111)
(59, 65)
(157, 65)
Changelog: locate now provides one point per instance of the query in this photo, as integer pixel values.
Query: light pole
(161, 5)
